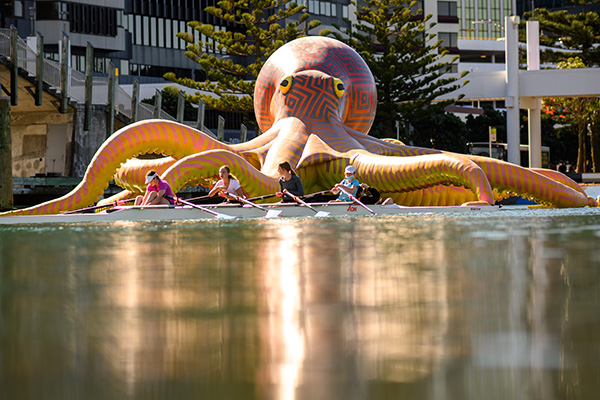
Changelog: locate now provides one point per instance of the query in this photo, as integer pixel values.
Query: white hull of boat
(182, 213)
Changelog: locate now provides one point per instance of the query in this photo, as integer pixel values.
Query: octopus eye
(286, 84)
(339, 87)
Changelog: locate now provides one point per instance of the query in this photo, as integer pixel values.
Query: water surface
(489, 306)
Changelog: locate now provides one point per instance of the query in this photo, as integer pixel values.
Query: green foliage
(478, 127)
(406, 61)
(578, 112)
(260, 29)
(441, 130)
(577, 34)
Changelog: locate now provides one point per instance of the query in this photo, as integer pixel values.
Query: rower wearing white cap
(349, 184)
(157, 191)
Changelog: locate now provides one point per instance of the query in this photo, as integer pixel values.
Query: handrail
(51, 76)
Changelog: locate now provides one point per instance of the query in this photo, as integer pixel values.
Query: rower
(349, 184)
(157, 191)
(290, 182)
(228, 186)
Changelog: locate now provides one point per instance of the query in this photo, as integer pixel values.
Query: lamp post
(32, 11)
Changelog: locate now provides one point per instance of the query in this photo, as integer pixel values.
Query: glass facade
(482, 19)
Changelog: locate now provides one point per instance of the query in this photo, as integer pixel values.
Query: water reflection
(434, 307)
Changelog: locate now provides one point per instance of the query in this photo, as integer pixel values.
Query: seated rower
(349, 184)
(289, 181)
(228, 186)
(367, 194)
(370, 195)
(156, 191)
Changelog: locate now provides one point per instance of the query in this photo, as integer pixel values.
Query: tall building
(138, 36)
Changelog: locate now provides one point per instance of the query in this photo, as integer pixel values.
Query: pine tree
(233, 58)
(577, 34)
(406, 61)
(580, 113)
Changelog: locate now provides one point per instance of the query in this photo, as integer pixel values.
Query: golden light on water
(282, 332)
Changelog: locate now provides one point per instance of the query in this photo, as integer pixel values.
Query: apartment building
(138, 36)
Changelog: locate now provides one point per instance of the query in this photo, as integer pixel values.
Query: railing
(26, 57)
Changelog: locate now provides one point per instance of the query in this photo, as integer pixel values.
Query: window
(146, 31)
(345, 11)
(161, 32)
(448, 39)
(153, 32)
(175, 38)
(168, 34)
(125, 67)
(138, 29)
(19, 9)
(447, 8)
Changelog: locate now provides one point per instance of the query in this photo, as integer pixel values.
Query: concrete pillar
(221, 129)
(6, 172)
(180, 107)
(157, 104)
(534, 112)
(39, 70)
(135, 101)
(64, 73)
(200, 121)
(89, 80)
(112, 99)
(243, 133)
(512, 89)
(14, 67)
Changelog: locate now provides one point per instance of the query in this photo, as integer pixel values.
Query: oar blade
(321, 214)
(224, 216)
(273, 213)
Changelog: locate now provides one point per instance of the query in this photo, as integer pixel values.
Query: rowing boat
(186, 212)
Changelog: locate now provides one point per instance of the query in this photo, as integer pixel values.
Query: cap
(349, 169)
(151, 175)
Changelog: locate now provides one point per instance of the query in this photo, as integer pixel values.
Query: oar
(357, 201)
(114, 204)
(198, 198)
(316, 194)
(187, 203)
(266, 196)
(301, 202)
(270, 213)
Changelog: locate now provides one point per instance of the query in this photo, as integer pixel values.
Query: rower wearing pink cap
(349, 184)
(157, 191)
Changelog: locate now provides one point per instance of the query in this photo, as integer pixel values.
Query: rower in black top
(367, 194)
(289, 181)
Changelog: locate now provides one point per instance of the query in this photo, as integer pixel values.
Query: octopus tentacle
(398, 174)
(123, 195)
(158, 136)
(506, 177)
(203, 169)
(561, 178)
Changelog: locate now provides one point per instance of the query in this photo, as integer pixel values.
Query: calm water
(489, 306)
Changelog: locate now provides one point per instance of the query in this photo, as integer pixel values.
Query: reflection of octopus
(315, 101)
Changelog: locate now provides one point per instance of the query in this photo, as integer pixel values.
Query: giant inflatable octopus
(315, 101)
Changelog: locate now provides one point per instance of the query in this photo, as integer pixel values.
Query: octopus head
(312, 96)
(316, 71)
